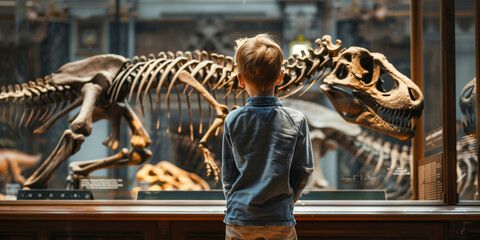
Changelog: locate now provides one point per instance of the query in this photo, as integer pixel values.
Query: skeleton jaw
(363, 110)
(368, 91)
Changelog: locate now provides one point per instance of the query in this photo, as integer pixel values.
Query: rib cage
(215, 72)
(37, 101)
(384, 165)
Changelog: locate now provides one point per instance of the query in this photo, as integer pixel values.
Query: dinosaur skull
(357, 87)
(467, 106)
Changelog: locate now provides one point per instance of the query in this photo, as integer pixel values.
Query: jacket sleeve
(302, 164)
(229, 169)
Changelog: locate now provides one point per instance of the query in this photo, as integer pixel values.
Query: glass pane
(360, 160)
(430, 168)
(370, 160)
(467, 159)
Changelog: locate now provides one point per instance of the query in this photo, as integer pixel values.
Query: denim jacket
(266, 162)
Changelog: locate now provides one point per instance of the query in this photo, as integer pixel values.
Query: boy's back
(267, 154)
(267, 159)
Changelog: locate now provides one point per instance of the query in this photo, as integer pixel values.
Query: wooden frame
(477, 82)
(447, 26)
(417, 76)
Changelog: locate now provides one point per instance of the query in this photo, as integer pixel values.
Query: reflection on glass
(467, 159)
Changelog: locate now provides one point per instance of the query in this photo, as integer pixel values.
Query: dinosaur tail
(33, 102)
(23, 160)
(27, 160)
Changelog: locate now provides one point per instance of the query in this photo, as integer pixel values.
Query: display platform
(344, 195)
(40, 194)
(306, 195)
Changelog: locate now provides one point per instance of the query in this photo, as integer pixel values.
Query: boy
(267, 155)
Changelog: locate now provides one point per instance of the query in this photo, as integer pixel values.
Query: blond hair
(259, 60)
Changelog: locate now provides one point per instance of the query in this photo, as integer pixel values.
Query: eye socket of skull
(387, 83)
(366, 62)
(342, 72)
(467, 93)
(467, 98)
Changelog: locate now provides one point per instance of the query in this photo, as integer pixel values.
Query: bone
(190, 117)
(39, 179)
(200, 125)
(205, 55)
(166, 176)
(151, 57)
(197, 55)
(141, 70)
(221, 60)
(148, 74)
(63, 112)
(153, 77)
(162, 55)
(188, 55)
(125, 78)
(179, 101)
(175, 77)
(135, 59)
(214, 58)
(202, 65)
(167, 71)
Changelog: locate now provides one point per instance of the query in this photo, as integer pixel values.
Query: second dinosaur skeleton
(104, 84)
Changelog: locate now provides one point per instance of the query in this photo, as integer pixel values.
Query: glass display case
(354, 160)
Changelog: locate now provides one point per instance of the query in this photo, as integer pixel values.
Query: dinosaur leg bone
(321, 145)
(140, 138)
(112, 113)
(39, 179)
(121, 159)
(83, 122)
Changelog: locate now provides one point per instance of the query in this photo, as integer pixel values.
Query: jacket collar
(264, 101)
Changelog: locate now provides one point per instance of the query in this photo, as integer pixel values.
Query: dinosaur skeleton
(467, 106)
(467, 165)
(467, 157)
(384, 165)
(103, 84)
(14, 162)
(166, 176)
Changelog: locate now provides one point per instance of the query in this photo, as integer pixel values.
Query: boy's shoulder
(294, 114)
(233, 114)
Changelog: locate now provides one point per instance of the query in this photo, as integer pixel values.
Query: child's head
(259, 61)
